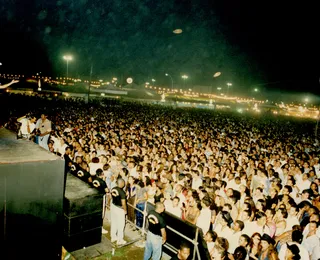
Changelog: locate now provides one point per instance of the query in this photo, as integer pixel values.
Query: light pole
(91, 68)
(184, 80)
(229, 85)
(168, 75)
(67, 58)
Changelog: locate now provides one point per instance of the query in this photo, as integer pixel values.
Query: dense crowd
(251, 183)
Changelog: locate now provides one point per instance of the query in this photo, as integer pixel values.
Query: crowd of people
(250, 183)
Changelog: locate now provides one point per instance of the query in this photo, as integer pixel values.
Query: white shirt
(303, 251)
(223, 232)
(317, 169)
(94, 167)
(311, 243)
(173, 210)
(280, 172)
(303, 185)
(253, 227)
(133, 173)
(233, 185)
(234, 241)
(291, 221)
(196, 183)
(24, 126)
(57, 146)
(204, 219)
(315, 255)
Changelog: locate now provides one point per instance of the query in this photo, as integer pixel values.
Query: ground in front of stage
(105, 250)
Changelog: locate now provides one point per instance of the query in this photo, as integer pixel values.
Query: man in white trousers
(118, 213)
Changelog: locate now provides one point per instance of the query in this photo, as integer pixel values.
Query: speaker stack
(82, 214)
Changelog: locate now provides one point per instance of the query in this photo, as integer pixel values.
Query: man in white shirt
(313, 217)
(304, 183)
(259, 225)
(316, 166)
(305, 196)
(292, 218)
(245, 218)
(277, 168)
(234, 238)
(133, 170)
(44, 126)
(27, 126)
(178, 193)
(311, 240)
(172, 206)
(204, 218)
(59, 145)
(296, 240)
(196, 180)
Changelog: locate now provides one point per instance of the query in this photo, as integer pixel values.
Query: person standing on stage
(118, 213)
(156, 235)
(44, 126)
(27, 126)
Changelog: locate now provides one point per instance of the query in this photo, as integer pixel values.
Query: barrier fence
(177, 229)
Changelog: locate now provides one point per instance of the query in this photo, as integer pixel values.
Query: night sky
(269, 44)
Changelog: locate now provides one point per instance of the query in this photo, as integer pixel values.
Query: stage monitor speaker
(82, 214)
(31, 200)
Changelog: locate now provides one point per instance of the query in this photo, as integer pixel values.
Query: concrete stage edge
(31, 200)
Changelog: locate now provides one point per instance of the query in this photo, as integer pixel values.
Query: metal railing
(143, 229)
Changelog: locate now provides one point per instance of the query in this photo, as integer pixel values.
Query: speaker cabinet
(31, 200)
(82, 214)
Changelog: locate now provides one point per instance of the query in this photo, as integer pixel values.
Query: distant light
(256, 90)
(102, 94)
(67, 58)
(129, 80)
(177, 31)
(217, 74)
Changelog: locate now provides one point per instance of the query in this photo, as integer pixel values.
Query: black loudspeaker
(31, 200)
(82, 214)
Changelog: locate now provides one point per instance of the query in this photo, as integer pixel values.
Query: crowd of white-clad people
(251, 183)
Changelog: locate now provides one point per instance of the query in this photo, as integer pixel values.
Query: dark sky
(250, 42)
